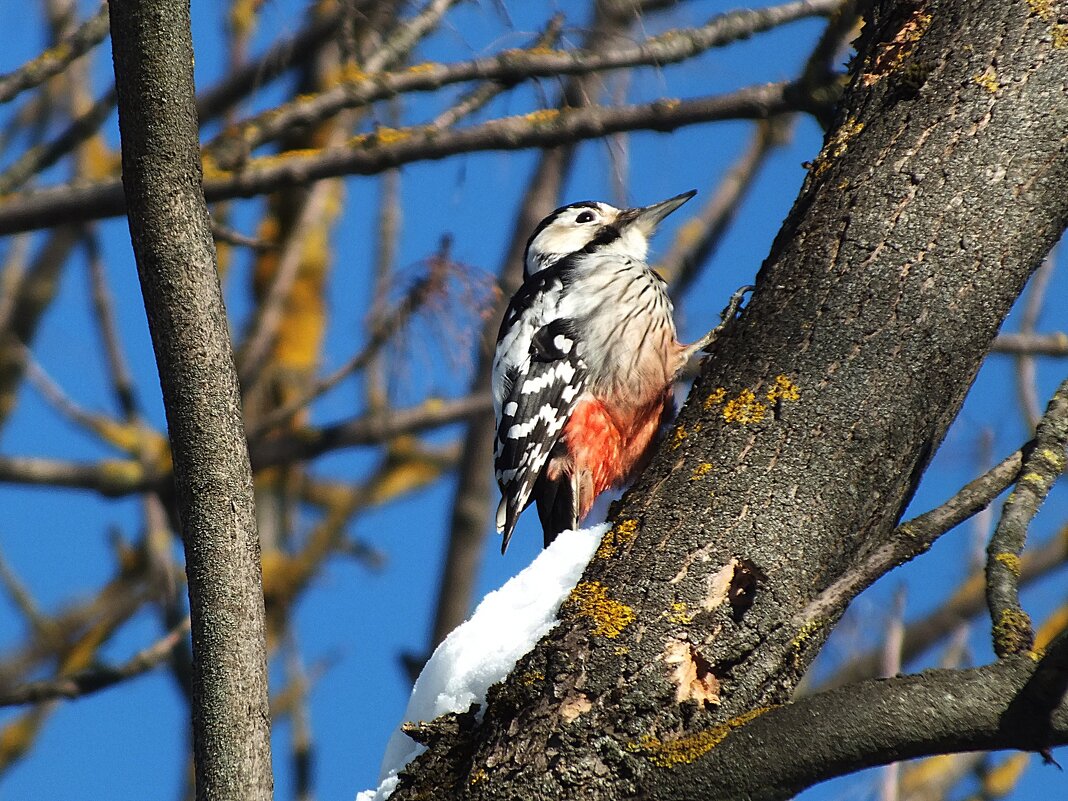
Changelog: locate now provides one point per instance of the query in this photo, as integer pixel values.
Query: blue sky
(125, 743)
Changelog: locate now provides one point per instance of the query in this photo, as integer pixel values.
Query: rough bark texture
(937, 193)
(176, 263)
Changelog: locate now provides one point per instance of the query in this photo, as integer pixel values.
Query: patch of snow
(477, 654)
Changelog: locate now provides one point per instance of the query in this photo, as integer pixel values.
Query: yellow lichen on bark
(988, 79)
(783, 390)
(837, 145)
(700, 471)
(1012, 632)
(680, 614)
(542, 116)
(892, 54)
(715, 398)
(744, 409)
(684, 750)
(1011, 562)
(621, 535)
(798, 643)
(678, 436)
(1045, 10)
(590, 599)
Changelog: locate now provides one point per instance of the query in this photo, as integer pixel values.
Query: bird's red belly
(610, 447)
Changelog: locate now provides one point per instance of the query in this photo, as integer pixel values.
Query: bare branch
(93, 680)
(373, 428)
(507, 68)
(1043, 464)
(53, 61)
(1026, 388)
(385, 327)
(1055, 344)
(109, 477)
(965, 603)
(43, 156)
(372, 153)
(912, 538)
(281, 57)
(700, 236)
(121, 379)
(779, 751)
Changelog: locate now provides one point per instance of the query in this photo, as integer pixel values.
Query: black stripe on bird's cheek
(605, 236)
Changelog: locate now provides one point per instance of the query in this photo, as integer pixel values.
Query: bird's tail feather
(557, 505)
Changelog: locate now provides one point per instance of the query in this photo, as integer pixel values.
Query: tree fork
(938, 191)
(172, 242)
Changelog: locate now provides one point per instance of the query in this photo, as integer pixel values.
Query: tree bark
(938, 191)
(172, 242)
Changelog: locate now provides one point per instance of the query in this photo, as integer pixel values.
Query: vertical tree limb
(171, 235)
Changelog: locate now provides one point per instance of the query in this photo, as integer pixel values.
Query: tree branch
(369, 154)
(95, 679)
(1055, 344)
(966, 602)
(1042, 465)
(56, 59)
(1012, 704)
(507, 68)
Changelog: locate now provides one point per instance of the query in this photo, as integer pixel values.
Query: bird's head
(595, 226)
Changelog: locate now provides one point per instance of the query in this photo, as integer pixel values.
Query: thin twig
(121, 378)
(253, 354)
(109, 477)
(42, 156)
(1026, 389)
(890, 780)
(1052, 344)
(700, 236)
(385, 256)
(11, 275)
(276, 61)
(1043, 463)
(118, 477)
(93, 680)
(509, 67)
(367, 430)
(229, 236)
(965, 603)
(56, 59)
(369, 154)
(21, 598)
(301, 742)
(912, 538)
(384, 330)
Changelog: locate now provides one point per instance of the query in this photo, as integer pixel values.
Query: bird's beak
(647, 218)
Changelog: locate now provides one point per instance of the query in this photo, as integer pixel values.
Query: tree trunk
(175, 254)
(939, 190)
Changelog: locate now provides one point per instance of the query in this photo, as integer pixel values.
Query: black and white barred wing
(539, 394)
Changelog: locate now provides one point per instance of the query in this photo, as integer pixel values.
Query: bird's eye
(585, 217)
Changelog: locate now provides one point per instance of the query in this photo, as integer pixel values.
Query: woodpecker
(586, 360)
